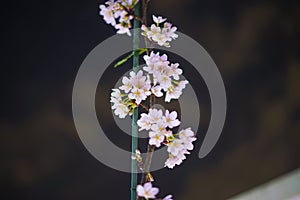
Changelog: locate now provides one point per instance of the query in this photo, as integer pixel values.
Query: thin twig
(144, 106)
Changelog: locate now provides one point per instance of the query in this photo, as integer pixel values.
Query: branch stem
(134, 134)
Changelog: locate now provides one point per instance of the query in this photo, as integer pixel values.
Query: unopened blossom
(168, 197)
(147, 191)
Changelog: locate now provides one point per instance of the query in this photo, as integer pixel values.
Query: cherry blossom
(118, 105)
(156, 138)
(158, 78)
(165, 75)
(158, 19)
(179, 147)
(119, 11)
(171, 119)
(160, 35)
(137, 86)
(147, 191)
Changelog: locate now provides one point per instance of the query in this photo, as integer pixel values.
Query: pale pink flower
(156, 138)
(158, 19)
(147, 191)
(171, 119)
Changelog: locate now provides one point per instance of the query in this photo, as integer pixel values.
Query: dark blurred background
(254, 44)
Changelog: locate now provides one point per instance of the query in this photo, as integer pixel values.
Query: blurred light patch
(286, 187)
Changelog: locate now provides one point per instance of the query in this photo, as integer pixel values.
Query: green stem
(134, 136)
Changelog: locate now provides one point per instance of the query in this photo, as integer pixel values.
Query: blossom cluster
(165, 76)
(121, 106)
(158, 123)
(149, 192)
(162, 34)
(179, 147)
(119, 14)
(158, 76)
(159, 126)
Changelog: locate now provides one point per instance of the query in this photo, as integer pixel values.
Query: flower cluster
(159, 126)
(121, 106)
(159, 77)
(165, 76)
(158, 123)
(138, 86)
(179, 147)
(149, 192)
(162, 34)
(119, 14)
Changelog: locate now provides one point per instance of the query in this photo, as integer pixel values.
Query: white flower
(107, 14)
(123, 28)
(138, 95)
(115, 96)
(118, 11)
(175, 71)
(159, 126)
(165, 76)
(120, 109)
(158, 19)
(179, 147)
(187, 137)
(181, 84)
(175, 160)
(172, 93)
(175, 147)
(161, 39)
(155, 115)
(175, 92)
(156, 90)
(170, 31)
(138, 86)
(155, 63)
(139, 81)
(144, 122)
(127, 84)
(171, 119)
(147, 191)
(164, 81)
(168, 197)
(156, 138)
